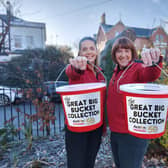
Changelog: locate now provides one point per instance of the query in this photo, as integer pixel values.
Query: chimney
(103, 18)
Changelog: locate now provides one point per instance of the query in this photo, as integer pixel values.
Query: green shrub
(164, 139)
(163, 80)
(7, 134)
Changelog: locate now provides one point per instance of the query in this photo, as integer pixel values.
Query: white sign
(146, 115)
(83, 109)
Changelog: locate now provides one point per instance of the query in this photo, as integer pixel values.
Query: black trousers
(82, 148)
(128, 151)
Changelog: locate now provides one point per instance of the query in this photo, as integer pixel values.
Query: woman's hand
(150, 56)
(79, 62)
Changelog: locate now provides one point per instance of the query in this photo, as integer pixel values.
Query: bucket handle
(89, 63)
(164, 72)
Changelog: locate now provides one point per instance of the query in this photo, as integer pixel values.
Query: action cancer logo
(90, 120)
(139, 128)
(152, 129)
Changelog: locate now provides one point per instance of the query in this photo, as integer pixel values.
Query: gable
(106, 28)
(115, 31)
(100, 35)
(159, 32)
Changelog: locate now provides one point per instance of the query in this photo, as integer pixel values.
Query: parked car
(9, 95)
(50, 87)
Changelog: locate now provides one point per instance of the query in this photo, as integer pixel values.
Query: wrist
(79, 71)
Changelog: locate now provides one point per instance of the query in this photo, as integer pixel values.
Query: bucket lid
(80, 87)
(142, 88)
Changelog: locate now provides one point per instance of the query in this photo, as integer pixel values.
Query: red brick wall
(141, 42)
(119, 27)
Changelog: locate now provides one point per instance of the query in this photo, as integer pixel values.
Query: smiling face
(123, 52)
(88, 50)
(123, 56)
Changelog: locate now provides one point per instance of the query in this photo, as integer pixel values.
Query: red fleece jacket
(79, 76)
(133, 73)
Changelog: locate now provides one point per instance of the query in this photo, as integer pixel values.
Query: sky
(69, 20)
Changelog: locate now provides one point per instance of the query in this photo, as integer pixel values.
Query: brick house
(144, 37)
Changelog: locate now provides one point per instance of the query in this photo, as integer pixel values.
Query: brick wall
(118, 28)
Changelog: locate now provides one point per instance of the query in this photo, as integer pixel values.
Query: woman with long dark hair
(82, 147)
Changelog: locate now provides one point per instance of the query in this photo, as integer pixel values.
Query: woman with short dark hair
(128, 151)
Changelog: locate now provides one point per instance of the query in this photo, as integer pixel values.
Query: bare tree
(12, 6)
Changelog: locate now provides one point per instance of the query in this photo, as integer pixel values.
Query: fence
(15, 112)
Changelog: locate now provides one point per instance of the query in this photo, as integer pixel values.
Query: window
(159, 38)
(116, 33)
(17, 41)
(163, 51)
(29, 41)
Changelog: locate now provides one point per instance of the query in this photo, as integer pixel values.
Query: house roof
(15, 21)
(106, 27)
(140, 32)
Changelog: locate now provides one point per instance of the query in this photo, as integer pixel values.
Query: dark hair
(123, 42)
(86, 38)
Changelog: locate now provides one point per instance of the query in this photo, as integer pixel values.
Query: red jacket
(83, 76)
(133, 73)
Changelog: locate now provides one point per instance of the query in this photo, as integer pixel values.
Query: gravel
(50, 153)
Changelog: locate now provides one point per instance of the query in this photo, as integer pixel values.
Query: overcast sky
(69, 20)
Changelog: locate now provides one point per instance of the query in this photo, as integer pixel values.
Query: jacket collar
(117, 67)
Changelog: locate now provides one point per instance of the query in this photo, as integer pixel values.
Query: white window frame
(18, 41)
(29, 41)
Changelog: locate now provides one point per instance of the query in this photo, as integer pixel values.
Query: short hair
(123, 42)
(86, 38)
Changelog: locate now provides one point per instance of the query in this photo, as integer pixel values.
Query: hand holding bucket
(150, 56)
(83, 103)
(79, 62)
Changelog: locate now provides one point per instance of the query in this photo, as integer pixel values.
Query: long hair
(123, 42)
(84, 39)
